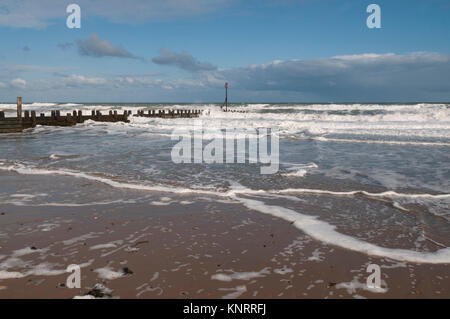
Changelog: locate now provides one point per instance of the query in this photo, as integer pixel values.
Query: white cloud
(95, 47)
(18, 83)
(80, 80)
(183, 60)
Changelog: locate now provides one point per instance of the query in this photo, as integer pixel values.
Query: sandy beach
(160, 245)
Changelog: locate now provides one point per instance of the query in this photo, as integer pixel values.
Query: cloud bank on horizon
(103, 60)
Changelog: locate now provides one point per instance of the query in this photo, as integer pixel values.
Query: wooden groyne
(169, 113)
(233, 111)
(29, 119)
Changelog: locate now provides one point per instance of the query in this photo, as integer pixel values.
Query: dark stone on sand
(99, 291)
(33, 248)
(127, 271)
(331, 284)
(2, 213)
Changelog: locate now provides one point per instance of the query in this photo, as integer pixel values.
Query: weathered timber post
(2, 115)
(33, 118)
(27, 115)
(19, 109)
(93, 114)
(58, 115)
(80, 116)
(226, 96)
(42, 116)
(115, 115)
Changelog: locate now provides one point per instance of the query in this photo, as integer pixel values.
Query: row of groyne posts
(169, 113)
(29, 119)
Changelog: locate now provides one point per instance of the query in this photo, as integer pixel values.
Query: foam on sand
(108, 274)
(389, 194)
(315, 228)
(353, 285)
(241, 275)
(326, 233)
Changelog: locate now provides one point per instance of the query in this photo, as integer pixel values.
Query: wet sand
(140, 244)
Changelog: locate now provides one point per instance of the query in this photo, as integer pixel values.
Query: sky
(185, 50)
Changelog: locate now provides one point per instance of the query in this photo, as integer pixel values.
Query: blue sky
(184, 50)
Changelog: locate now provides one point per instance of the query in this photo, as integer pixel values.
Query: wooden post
(27, 115)
(2, 115)
(226, 96)
(33, 118)
(19, 108)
